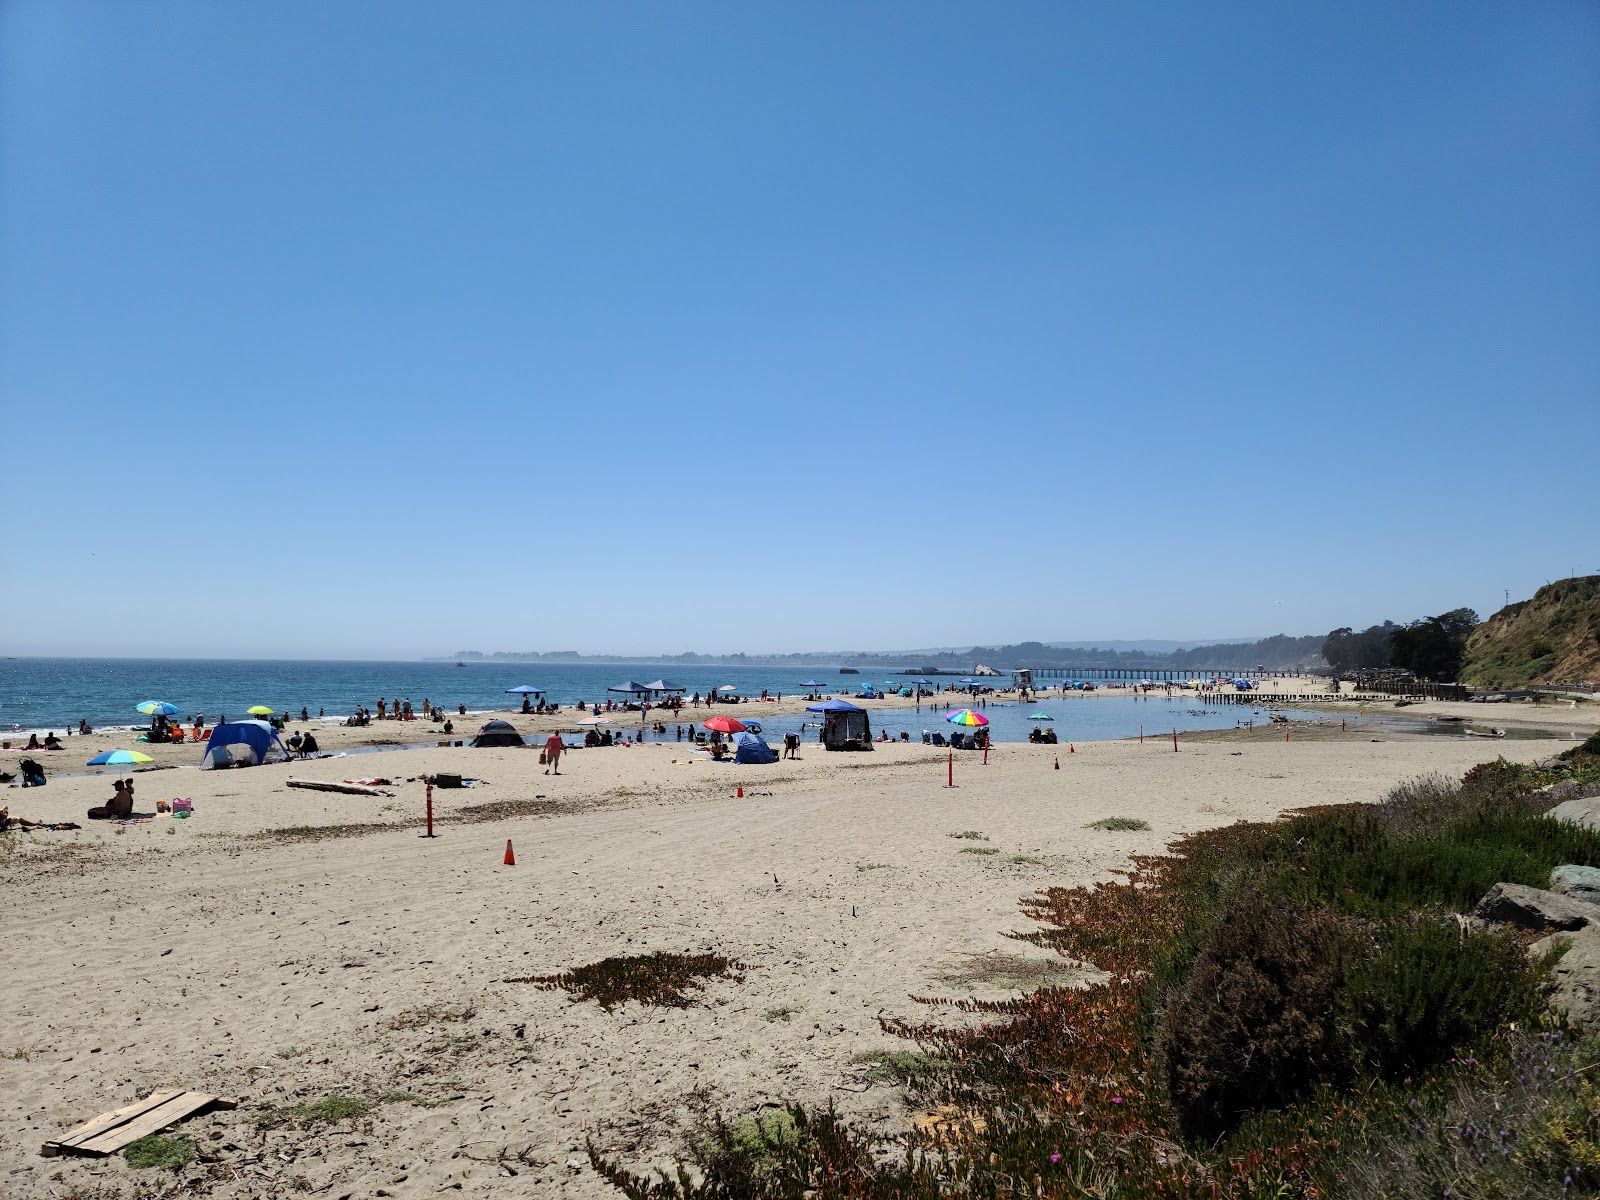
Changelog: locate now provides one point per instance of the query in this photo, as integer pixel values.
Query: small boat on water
(848, 671)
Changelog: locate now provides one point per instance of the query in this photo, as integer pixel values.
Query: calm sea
(53, 693)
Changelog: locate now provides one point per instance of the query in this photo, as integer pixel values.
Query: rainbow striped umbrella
(967, 717)
(118, 758)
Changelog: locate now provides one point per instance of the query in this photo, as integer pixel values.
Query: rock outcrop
(1576, 976)
(1585, 812)
(1533, 908)
(1581, 883)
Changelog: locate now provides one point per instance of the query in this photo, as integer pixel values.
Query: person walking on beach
(552, 752)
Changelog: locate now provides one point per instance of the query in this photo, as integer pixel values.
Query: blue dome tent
(751, 749)
(243, 744)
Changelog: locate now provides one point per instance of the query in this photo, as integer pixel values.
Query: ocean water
(54, 693)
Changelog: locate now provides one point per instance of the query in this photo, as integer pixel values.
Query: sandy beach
(282, 946)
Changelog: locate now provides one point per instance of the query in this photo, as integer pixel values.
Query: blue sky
(390, 329)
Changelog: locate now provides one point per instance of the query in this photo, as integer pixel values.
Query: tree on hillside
(1347, 650)
(1434, 647)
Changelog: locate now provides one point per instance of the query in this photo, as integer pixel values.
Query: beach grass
(1118, 824)
(159, 1150)
(326, 1111)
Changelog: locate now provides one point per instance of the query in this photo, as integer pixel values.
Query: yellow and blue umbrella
(155, 708)
(967, 717)
(119, 758)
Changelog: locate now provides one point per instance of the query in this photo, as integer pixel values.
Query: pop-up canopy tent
(498, 733)
(844, 725)
(243, 744)
(751, 749)
(630, 688)
(661, 685)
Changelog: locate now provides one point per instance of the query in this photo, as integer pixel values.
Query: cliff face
(1552, 638)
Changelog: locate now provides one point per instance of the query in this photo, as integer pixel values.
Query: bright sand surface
(282, 945)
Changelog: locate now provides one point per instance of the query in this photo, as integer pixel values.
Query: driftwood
(349, 789)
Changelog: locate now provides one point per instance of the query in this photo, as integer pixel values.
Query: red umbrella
(725, 724)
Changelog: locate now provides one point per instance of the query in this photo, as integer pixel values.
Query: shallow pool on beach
(1097, 717)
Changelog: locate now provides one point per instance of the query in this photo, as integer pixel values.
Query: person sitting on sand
(51, 741)
(119, 807)
(308, 745)
(33, 742)
(294, 742)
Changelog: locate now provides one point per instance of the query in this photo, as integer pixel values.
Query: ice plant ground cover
(1285, 1009)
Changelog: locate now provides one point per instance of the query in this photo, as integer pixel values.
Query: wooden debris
(111, 1131)
(350, 789)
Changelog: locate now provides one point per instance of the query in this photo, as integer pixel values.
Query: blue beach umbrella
(1040, 716)
(119, 758)
(812, 683)
(155, 708)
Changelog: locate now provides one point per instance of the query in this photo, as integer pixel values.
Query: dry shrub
(1255, 1023)
(660, 978)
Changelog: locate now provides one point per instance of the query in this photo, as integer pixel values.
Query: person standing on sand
(552, 752)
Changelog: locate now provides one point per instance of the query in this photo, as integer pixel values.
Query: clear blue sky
(391, 329)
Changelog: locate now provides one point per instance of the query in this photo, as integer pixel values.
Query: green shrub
(1118, 823)
(1254, 1024)
(1591, 746)
(159, 1150)
(1432, 989)
(905, 1066)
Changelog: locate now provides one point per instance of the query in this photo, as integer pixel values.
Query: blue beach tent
(243, 743)
(751, 749)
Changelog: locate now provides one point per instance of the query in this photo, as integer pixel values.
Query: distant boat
(848, 671)
(459, 663)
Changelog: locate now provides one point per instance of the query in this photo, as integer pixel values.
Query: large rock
(1576, 977)
(1584, 811)
(1534, 908)
(1581, 883)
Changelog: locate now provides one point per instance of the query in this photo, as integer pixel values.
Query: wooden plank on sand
(111, 1132)
(106, 1121)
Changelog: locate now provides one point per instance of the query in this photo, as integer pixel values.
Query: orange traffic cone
(510, 859)
(1058, 762)
(1071, 749)
(739, 794)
